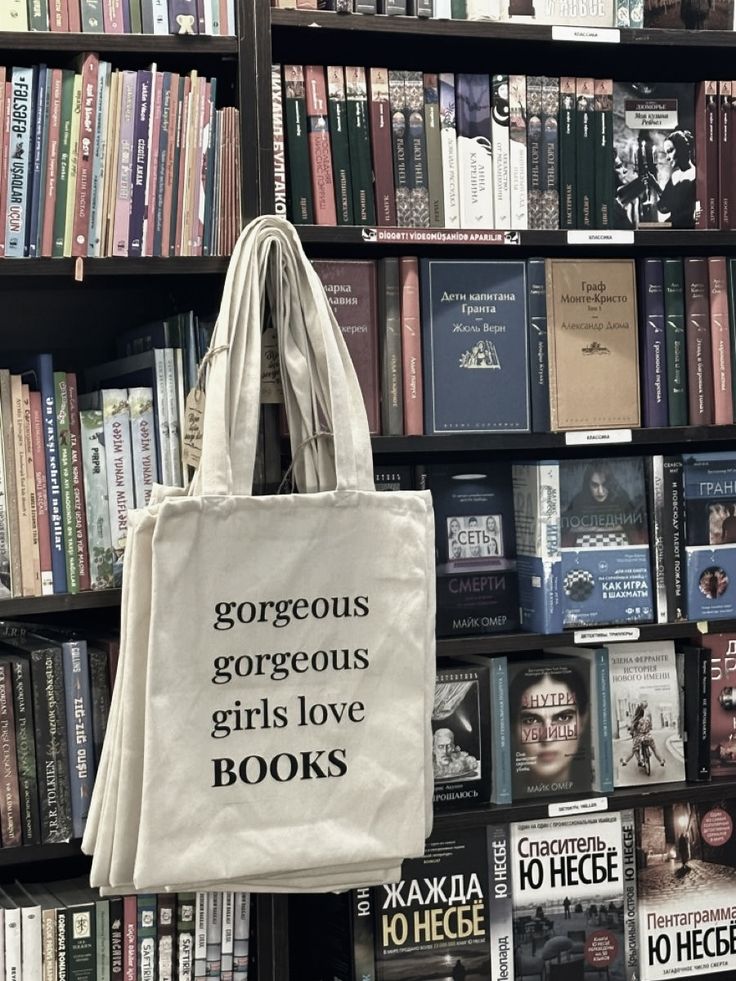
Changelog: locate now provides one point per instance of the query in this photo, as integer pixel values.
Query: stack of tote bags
(270, 721)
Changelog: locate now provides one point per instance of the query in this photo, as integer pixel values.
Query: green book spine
(147, 958)
(603, 116)
(136, 18)
(585, 157)
(102, 938)
(432, 131)
(82, 943)
(184, 956)
(299, 185)
(568, 151)
(337, 106)
(38, 15)
(61, 407)
(67, 106)
(459, 10)
(361, 170)
(674, 313)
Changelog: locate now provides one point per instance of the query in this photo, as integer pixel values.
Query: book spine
(630, 905)
(301, 211)
(325, 212)
(411, 347)
(534, 149)
(241, 935)
(724, 153)
(185, 908)
(38, 135)
(433, 135)
(623, 18)
(65, 474)
(604, 748)
(130, 922)
(102, 940)
(697, 334)
(654, 467)
(146, 937)
(701, 142)
(568, 153)
(392, 398)
(64, 154)
(134, 15)
(416, 149)
(500, 905)
(279, 157)
(603, 135)
(63, 917)
(549, 158)
(166, 156)
(518, 152)
(165, 936)
(711, 206)
(400, 139)
(45, 379)
(475, 162)
(339, 144)
(52, 765)
(25, 744)
(6, 516)
(720, 338)
(99, 686)
(38, 15)
(75, 17)
(112, 16)
(381, 148)
(23, 503)
(654, 360)
(142, 428)
(31, 487)
(18, 166)
(52, 162)
(364, 208)
(11, 825)
(696, 720)
(151, 181)
(11, 485)
(124, 181)
(500, 743)
(448, 138)
(538, 348)
(72, 185)
(674, 538)
(94, 471)
(119, 464)
(99, 163)
(732, 320)
(139, 162)
(80, 532)
(183, 17)
(501, 151)
(116, 938)
(48, 950)
(92, 18)
(226, 969)
(214, 935)
(674, 310)
(6, 118)
(173, 385)
(85, 152)
(584, 155)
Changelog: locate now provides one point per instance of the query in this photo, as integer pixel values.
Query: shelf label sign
(615, 236)
(606, 635)
(441, 236)
(596, 35)
(578, 806)
(588, 437)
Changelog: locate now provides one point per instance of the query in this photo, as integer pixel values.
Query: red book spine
(197, 227)
(42, 500)
(223, 17)
(174, 111)
(112, 16)
(411, 346)
(80, 511)
(75, 16)
(130, 937)
(58, 15)
(382, 147)
(724, 151)
(320, 153)
(697, 338)
(712, 199)
(183, 136)
(720, 341)
(52, 163)
(150, 219)
(85, 159)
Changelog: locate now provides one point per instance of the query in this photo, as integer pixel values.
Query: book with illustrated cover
(654, 154)
(722, 703)
(568, 896)
(537, 518)
(686, 875)
(604, 539)
(474, 150)
(645, 710)
(460, 738)
(475, 548)
(691, 15)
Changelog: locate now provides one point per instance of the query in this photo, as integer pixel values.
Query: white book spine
(13, 944)
(21, 113)
(96, 499)
(208, 18)
(31, 959)
(162, 418)
(119, 460)
(13, 15)
(501, 161)
(228, 912)
(443, 9)
(172, 396)
(200, 936)
(517, 151)
(479, 9)
(142, 433)
(160, 17)
(475, 170)
(231, 18)
(241, 935)
(448, 140)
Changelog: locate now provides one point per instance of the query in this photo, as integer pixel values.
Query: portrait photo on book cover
(474, 536)
(603, 503)
(456, 750)
(549, 710)
(647, 743)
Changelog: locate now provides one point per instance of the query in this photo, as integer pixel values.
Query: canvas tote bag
(370, 688)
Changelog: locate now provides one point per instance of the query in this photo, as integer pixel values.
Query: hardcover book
(698, 342)
(686, 878)
(475, 549)
(605, 569)
(600, 13)
(301, 210)
(686, 15)
(448, 137)
(461, 738)
(380, 130)
(654, 368)
(474, 150)
(654, 161)
(501, 151)
(475, 346)
(537, 518)
(722, 648)
(593, 344)
(645, 709)
(674, 311)
(517, 151)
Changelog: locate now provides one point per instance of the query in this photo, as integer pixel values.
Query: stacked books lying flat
(49, 929)
(72, 466)
(372, 146)
(451, 346)
(717, 16)
(104, 162)
(215, 17)
(580, 543)
(641, 894)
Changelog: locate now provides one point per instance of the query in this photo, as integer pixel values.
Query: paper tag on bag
(271, 390)
(193, 425)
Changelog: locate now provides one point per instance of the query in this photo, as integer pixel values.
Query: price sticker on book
(587, 437)
(606, 635)
(589, 237)
(578, 806)
(595, 35)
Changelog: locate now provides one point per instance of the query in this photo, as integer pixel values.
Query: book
(277, 125)
(433, 135)
(339, 144)
(11, 826)
(645, 707)
(603, 136)
(297, 146)
(475, 346)
(25, 744)
(119, 466)
(568, 152)
(474, 150)
(448, 137)
(674, 311)
(604, 542)
(685, 878)
(323, 194)
(399, 144)
(517, 151)
(585, 152)
(549, 170)
(536, 303)
(143, 444)
(593, 344)
(720, 342)
(381, 146)
(694, 676)
(698, 341)
(361, 175)
(18, 164)
(94, 467)
(690, 16)
(721, 652)
(389, 302)
(500, 132)
(411, 346)
(654, 359)
(475, 549)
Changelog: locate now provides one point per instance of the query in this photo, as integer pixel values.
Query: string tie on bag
(287, 476)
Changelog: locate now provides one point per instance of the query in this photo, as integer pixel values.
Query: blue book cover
(654, 351)
(536, 312)
(20, 157)
(605, 569)
(710, 521)
(475, 347)
(475, 546)
(38, 188)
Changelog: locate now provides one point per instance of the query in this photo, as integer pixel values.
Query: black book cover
(461, 739)
(695, 685)
(99, 683)
(25, 744)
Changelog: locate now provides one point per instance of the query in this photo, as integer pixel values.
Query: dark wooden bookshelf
(147, 44)
(178, 266)
(59, 603)
(40, 854)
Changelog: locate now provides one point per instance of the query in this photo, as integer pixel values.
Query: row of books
(64, 929)
(641, 894)
(104, 162)
(214, 17)
(367, 146)
(451, 346)
(718, 15)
